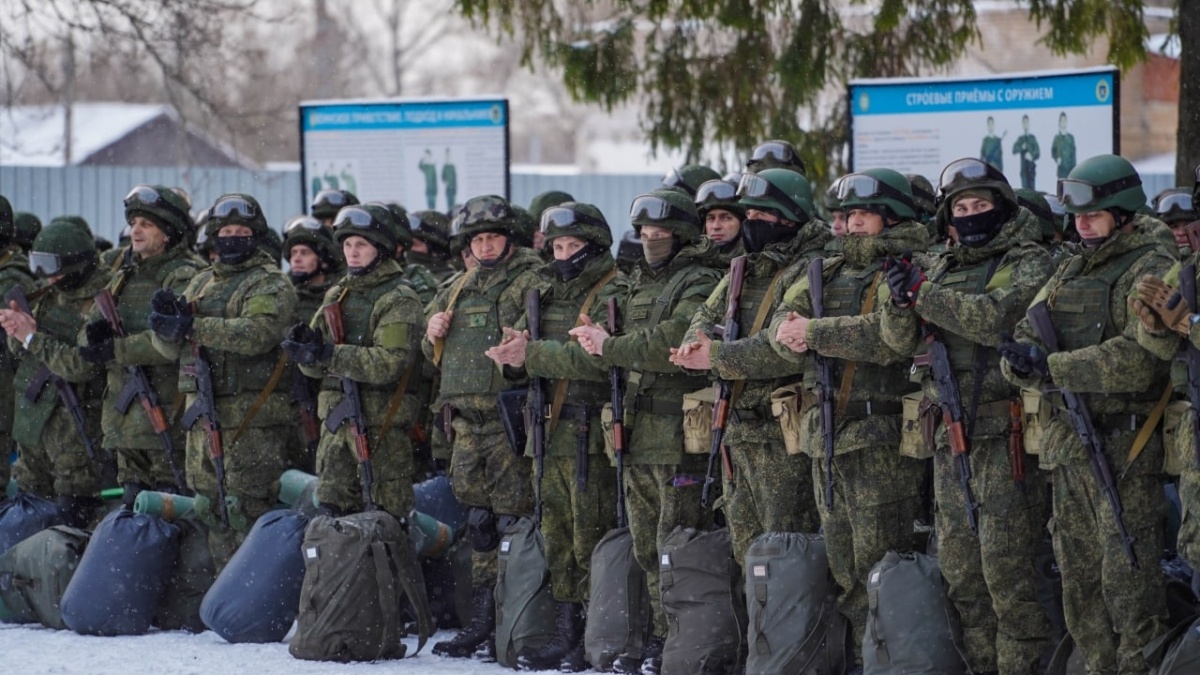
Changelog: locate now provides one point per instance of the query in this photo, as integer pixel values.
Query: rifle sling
(868, 306)
(439, 344)
(1148, 428)
(263, 395)
(389, 416)
(560, 391)
(760, 318)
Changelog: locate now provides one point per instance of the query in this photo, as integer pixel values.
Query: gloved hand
(306, 345)
(170, 315)
(1166, 301)
(100, 342)
(1024, 359)
(904, 280)
(1151, 321)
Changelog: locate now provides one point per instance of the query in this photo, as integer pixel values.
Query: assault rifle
(536, 403)
(1081, 419)
(1191, 356)
(66, 393)
(137, 385)
(616, 387)
(729, 331)
(350, 410)
(306, 402)
(825, 389)
(205, 408)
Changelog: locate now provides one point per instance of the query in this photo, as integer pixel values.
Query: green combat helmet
(527, 226)
(669, 209)
(486, 213)
(236, 209)
(1172, 206)
(924, 202)
(782, 191)
(433, 228)
(272, 244)
(882, 191)
(1103, 183)
(27, 228)
(629, 251)
(572, 219)
(719, 194)
(689, 178)
(64, 248)
(308, 231)
(545, 200)
(976, 176)
(775, 154)
(400, 221)
(162, 206)
(371, 221)
(326, 203)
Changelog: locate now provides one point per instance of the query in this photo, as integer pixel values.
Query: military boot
(631, 664)
(652, 656)
(478, 629)
(568, 632)
(575, 661)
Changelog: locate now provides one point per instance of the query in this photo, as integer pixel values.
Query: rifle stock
(825, 390)
(204, 410)
(616, 385)
(1081, 419)
(729, 331)
(350, 410)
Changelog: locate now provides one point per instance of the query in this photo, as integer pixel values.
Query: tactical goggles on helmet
(50, 264)
(970, 170)
(1081, 194)
(302, 223)
(1056, 207)
(865, 187)
(657, 209)
(780, 152)
(1178, 201)
(334, 198)
(236, 208)
(568, 219)
(756, 187)
(145, 195)
(674, 179)
(716, 191)
(356, 217)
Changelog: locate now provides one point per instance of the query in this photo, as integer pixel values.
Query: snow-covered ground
(29, 650)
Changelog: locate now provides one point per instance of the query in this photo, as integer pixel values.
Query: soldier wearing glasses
(232, 315)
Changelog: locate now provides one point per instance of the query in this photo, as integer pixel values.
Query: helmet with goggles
(1175, 205)
(775, 154)
(574, 219)
(669, 209)
(371, 221)
(719, 194)
(487, 213)
(163, 206)
(326, 203)
(689, 178)
(883, 190)
(236, 209)
(308, 231)
(780, 190)
(1101, 183)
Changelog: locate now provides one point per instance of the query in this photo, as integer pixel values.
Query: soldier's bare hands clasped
(793, 333)
(591, 337)
(439, 325)
(511, 351)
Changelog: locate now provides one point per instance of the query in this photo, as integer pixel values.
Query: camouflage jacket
(14, 271)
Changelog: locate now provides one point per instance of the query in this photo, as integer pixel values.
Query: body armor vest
(844, 296)
(971, 280)
(133, 288)
(232, 373)
(558, 317)
(474, 328)
(357, 307)
(646, 309)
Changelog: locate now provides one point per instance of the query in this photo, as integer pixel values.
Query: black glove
(170, 315)
(100, 342)
(904, 280)
(1024, 359)
(306, 345)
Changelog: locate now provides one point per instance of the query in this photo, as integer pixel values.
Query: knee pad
(481, 529)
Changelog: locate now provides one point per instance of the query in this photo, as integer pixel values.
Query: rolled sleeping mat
(169, 507)
(298, 490)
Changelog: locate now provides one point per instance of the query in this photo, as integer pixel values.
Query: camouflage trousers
(297, 455)
(659, 498)
(484, 472)
(574, 520)
(149, 466)
(342, 477)
(252, 468)
(770, 487)
(876, 498)
(1112, 610)
(59, 464)
(991, 577)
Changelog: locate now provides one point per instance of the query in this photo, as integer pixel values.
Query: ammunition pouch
(1036, 417)
(697, 420)
(788, 406)
(920, 419)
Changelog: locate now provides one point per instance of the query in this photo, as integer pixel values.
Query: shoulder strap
(262, 397)
(385, 584)
(868, 306)
(560, 391)
(760, 318)
(643, 379)
(439, 344)
(1148, 428)
(394, 403)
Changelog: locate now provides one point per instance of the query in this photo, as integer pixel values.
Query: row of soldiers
(725, 289)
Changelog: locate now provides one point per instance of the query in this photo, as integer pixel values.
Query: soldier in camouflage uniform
(976, 291)
(675, 274)
(487, 478)
(925, 206)
(382, 320)
(876, 492)
(14, 271)
(28, 226)
(837, 219)
(1112, 609)
(157, 257)
(1176, 208)
(52, 458)
(688, 178)
(538, 205)
(717, 203)
(418, 277)
(326, 204)
(314, 263)
(431, 246)
(234, 314)
(781, 236)
(578, 485)
(775, 154)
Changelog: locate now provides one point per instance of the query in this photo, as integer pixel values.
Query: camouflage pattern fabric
(574, 520)
(1111, 610)
(58, 465)
(14, 271)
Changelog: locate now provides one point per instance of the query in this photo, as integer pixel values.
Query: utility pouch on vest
(788, 405)
(606, 425)
(697, 420)
(920, 419)
(1177, 447)
(511, 404)
(1037, 417)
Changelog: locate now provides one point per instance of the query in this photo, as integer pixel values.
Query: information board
(1033, 126)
